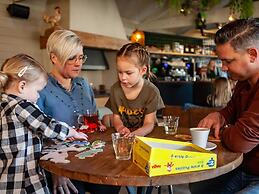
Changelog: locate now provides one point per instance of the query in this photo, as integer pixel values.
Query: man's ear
(253, 54)
(21, 86)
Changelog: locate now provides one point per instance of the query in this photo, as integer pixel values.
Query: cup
(200, 136)
(89, 120)
(122, 146)
(170, 124)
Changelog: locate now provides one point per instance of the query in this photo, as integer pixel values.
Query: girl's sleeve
(31, 116)
(111, 103)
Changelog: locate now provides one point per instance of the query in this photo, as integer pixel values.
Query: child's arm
(31, 117)
(118, 125)
(148, 125)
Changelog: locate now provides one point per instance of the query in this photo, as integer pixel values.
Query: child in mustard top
(134, 100)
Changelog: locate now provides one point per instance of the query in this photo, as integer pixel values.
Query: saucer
(210, 146)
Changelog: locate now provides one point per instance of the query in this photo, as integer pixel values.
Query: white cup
(200, 136)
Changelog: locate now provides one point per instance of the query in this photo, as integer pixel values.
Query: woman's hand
(62, 185)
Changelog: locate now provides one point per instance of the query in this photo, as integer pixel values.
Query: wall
(98, 17)
(21, 35)
(107, 77)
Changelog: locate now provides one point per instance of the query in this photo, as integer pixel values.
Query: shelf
(182, 54)
(89, 40)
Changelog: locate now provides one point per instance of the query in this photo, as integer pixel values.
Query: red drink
(90, 121)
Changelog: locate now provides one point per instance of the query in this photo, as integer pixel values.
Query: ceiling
(148, 15)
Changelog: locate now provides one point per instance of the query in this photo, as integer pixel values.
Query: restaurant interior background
(110, 18)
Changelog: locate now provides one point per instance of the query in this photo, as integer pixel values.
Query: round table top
(103, 168)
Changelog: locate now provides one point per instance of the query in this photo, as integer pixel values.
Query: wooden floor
(178, 189)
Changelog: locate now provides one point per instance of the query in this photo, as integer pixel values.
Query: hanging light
(138, 36)
(231, 17)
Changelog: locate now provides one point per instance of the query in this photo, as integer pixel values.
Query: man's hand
(213, 121)
(62, 185)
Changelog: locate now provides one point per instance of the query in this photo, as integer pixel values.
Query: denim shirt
(63, 105)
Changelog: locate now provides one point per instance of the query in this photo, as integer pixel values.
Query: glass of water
(171, 124)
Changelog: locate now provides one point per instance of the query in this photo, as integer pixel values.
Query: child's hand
(102, 127)
(124, 131)
(73, 134)
(80, 136)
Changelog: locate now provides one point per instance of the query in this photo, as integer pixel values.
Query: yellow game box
(161, 157)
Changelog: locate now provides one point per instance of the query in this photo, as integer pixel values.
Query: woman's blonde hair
(222, 92)
(20, 67)
(64, 44)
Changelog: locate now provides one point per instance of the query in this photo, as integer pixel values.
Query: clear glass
(171, 124)
(122, 146)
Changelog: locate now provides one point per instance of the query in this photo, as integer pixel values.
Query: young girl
(134, 100)
(21, 79)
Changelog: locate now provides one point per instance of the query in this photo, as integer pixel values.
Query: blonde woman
(21, 79)
(66, 96)
(222, 93)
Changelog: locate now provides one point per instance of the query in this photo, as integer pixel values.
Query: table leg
(170, 189)
(159, 190)
(141, 190)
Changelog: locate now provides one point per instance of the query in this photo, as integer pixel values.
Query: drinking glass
(171, 124)
(89, 120)
(122, 146)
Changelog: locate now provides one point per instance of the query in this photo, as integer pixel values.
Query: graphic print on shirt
(131, 118)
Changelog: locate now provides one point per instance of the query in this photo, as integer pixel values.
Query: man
(237, 45)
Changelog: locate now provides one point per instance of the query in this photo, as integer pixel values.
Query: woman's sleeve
(31, 117)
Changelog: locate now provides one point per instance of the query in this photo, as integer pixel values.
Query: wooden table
(105, 169)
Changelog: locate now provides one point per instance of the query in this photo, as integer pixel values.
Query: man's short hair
(241, 34)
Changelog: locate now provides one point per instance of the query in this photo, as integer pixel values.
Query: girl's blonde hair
(143, 56)
(64, 44)
(20, 67)
(222, 92)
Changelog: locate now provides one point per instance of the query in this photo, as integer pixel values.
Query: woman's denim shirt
(55, 101)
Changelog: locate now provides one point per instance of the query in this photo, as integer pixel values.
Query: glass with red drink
(89, 122)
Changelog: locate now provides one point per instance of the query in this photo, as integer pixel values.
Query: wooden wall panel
(19, 35)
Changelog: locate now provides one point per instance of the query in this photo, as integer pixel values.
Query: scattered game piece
(98, 144)
(59, 156)
(56, 157)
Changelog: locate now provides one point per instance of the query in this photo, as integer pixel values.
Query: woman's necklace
(67, 86)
